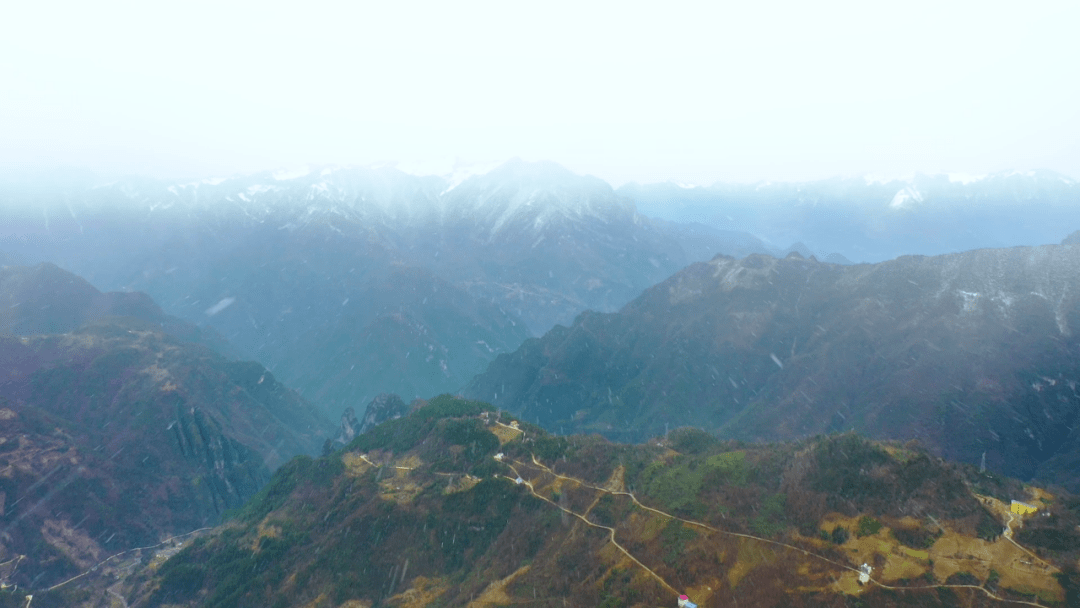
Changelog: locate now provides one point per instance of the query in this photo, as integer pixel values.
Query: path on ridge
(542, 467)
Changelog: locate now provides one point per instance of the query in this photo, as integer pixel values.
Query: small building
(684, 602)
(864, 573)
(499, 456)
(514, 425)
(1022, 508)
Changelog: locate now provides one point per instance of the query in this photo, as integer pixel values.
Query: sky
(695, 92)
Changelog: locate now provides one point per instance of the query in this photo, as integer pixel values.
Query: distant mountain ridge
(45, 299)
(971, 353)
(872, 220)
(273, 262)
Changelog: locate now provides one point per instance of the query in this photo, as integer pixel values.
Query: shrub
(839, 535)
(770, 520)
(674, 485)
(690, 440)
(916, 538)
(673, 540)
(868, 526)
(727, 468)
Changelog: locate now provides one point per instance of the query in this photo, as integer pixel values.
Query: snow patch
(260, 188)
(970, 300)
(462, 171)
(904, 197)
(220, 306)
(213, 181)
(683, 185)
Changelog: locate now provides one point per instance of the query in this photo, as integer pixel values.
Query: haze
(693, 92)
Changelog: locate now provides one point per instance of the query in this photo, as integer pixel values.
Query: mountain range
(125, 423)
(974, 354)
(868, 219)
(452, 274)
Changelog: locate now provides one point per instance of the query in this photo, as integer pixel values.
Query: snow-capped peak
(463, 171)
(905, 197)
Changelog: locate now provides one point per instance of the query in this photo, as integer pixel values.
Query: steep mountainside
(457, 505)
(276, 263)
(872, 220)
(114, 434)
(970, 353)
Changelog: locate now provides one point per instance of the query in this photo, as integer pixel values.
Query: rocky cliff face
(970, 353)
(381, 409)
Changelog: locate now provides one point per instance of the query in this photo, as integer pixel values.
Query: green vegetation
(841, 463)
(867, 526)
(607, 511)
(988, 527)
(770, 521)
(402, 434)
(617, 592)
(690, 440)
(549, 448)
(274, 494)
(729, 468)
(916, 538)
(675, 485)
(839, 535)
(673, 540)
(320, 530)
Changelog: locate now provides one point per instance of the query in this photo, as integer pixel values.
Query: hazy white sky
(691, 91)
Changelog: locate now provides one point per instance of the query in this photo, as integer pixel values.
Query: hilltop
(457, 504)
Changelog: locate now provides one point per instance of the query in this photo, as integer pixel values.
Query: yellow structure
(1022, 508)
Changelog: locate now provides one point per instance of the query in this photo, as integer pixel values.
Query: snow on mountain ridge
(529, 196)
(904, 197)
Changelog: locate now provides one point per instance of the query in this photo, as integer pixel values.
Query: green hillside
(460, 505)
